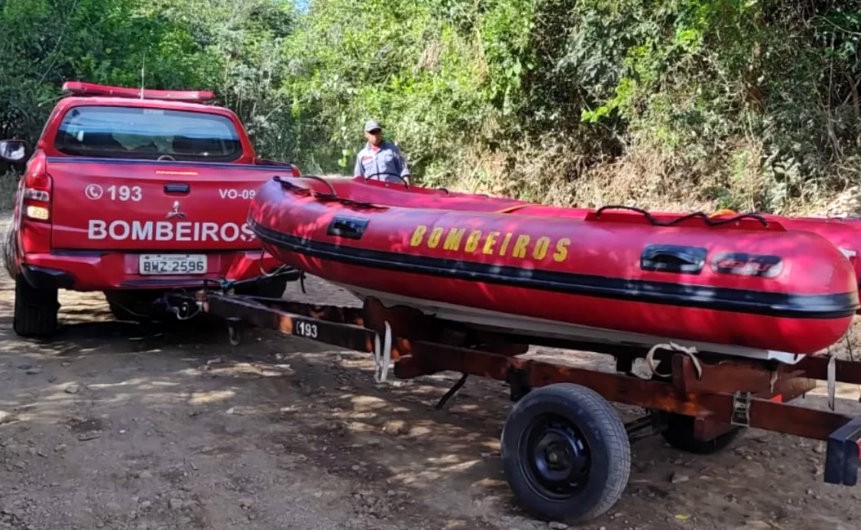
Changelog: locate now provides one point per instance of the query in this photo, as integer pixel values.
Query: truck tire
(9, 252)
(35, 310)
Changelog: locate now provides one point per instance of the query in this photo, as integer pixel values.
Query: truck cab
(133, 193)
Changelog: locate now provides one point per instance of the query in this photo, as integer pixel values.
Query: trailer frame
(697, 400)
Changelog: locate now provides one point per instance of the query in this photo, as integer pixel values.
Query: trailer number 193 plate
(306, 329)
(150, 264)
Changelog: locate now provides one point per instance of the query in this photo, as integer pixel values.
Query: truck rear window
(135, 132)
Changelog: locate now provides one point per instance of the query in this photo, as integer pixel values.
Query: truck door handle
(673, 258)
(176, 187)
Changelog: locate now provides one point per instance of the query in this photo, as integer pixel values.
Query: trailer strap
(383, 354)
(832, 380)
(741, 409)
(690, 351)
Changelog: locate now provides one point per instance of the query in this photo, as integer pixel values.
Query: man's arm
(359, 170)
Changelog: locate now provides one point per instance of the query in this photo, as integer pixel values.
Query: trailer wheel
(565, 453)
(35, 310)
(680, 434)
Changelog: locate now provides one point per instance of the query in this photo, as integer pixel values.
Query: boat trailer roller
(564, 449)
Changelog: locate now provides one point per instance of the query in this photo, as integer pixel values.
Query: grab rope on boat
(402, 179)
(690, 351)
(706, 218)
(383, 355)
(331, 196)
(287, 184)
(278, 270)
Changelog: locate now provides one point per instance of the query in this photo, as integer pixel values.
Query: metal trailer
(564, 449)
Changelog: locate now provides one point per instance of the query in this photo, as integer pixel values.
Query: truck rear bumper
(104, 270)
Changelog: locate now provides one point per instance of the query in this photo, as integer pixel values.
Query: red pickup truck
(134, 193)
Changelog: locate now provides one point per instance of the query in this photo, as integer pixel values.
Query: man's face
(374, 137)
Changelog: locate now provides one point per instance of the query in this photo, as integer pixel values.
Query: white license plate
(172, 264)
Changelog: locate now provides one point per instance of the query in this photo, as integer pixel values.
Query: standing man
(380, 159)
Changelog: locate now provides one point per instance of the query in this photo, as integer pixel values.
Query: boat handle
(673, 258)
(349, 227)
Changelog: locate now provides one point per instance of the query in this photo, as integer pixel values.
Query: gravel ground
(113, 426)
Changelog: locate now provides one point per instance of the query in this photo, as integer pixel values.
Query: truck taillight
(37, 194)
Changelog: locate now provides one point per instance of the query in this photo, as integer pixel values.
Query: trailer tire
(36, 310)
(565, 453)
(680, 434)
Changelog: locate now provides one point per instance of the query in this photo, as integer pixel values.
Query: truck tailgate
(145, 205)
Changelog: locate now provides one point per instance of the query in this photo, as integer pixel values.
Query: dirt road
(112, 426)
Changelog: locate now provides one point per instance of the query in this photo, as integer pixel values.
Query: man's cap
(370, 125)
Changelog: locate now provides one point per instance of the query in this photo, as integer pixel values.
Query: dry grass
(554, 170)
(644, 179)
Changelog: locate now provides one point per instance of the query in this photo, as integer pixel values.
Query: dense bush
(748, 104)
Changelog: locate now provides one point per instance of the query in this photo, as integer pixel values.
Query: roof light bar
(77, 88)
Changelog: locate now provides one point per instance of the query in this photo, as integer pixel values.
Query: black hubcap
(555, 457)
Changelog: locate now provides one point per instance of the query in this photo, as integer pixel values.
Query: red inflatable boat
(742, 285)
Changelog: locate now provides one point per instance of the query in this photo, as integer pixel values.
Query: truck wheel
(35, 310)
(565, 453)
(10, 253)
(680, 434)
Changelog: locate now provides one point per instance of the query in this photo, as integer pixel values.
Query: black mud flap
(45, 278)
(842, 456)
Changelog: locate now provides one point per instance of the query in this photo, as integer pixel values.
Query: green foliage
(710, 79)
(187, 44)
(242, 44)
(395, 61)
(748, 104)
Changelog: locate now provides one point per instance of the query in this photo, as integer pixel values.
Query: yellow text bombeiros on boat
(490, 243)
